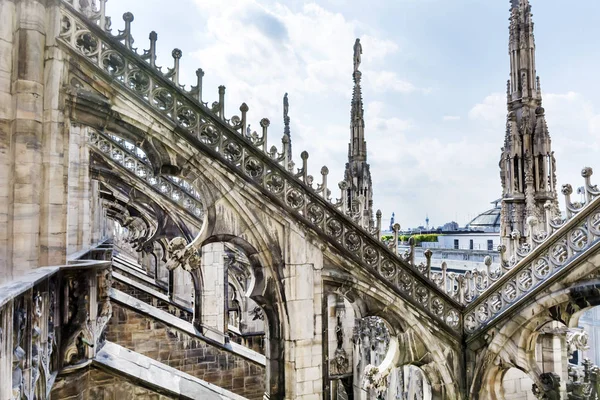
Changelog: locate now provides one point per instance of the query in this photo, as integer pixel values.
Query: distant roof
(488, 221)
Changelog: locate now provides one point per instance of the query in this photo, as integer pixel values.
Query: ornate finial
(125, 35)
(222, 102)
(150, 54)
(286, 108)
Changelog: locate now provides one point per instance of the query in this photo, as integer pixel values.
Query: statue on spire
(286, 123)
(357, 53)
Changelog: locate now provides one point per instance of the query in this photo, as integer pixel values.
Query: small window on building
(471, 244)
(456, 244)
(490, 245)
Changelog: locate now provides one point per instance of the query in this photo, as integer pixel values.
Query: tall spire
(527, 165)
(357, 185)
(357, 150)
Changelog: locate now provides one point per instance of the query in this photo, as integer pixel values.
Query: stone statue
(577, 339)
(550, 387)
(286, 106)
(357, 53)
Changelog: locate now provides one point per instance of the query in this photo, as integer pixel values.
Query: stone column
(98, 218)
(303, 337)
(552, 352)
(79, 205)
(6, 349)
(7, 28)
(55, 149)
(213, 301)
(32, 138)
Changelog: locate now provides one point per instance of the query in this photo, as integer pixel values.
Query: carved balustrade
(85, 31)
(51, 320)
(546, 254)
(124, 153)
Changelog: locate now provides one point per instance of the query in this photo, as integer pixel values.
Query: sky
(434, 83)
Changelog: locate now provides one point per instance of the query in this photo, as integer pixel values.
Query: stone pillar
(552, 352)
(55, 149)
(7, 28)
(6, 349)
(183, 287)
(95, 211)
(32, 138)
(79, 205)
(213, 300)
(303, 337)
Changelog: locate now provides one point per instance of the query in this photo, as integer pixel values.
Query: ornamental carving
(182, 255)
(549, 388)
(577, 340)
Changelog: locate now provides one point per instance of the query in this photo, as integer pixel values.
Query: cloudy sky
(434, 79)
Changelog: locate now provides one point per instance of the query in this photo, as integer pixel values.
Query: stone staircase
(120, 373)
(147, 325)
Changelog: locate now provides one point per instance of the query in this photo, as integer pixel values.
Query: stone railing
(86, 33)
(546, 253)
(174, 189)
(51, 320)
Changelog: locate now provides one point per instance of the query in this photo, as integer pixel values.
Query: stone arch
(513, 344)
(415, 344)
(265, 292)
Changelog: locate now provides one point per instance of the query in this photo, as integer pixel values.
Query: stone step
(150, 296)
(168, 339)
(146, 372)
(126, 258)
(137, 275)
(130, 262)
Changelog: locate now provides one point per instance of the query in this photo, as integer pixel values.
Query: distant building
(488, 221)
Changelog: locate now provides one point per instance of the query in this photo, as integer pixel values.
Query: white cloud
(382, 81)
(451, 118)
(493, 108)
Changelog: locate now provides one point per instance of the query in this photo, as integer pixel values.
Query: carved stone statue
(577, 339)
(357, 54)
(550, 387)
(340, 361)
(181, 255)
(257, 313)
(286, 106)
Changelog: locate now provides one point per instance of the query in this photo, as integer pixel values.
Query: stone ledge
(152, 373)
(186, 327)
(21, 284)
